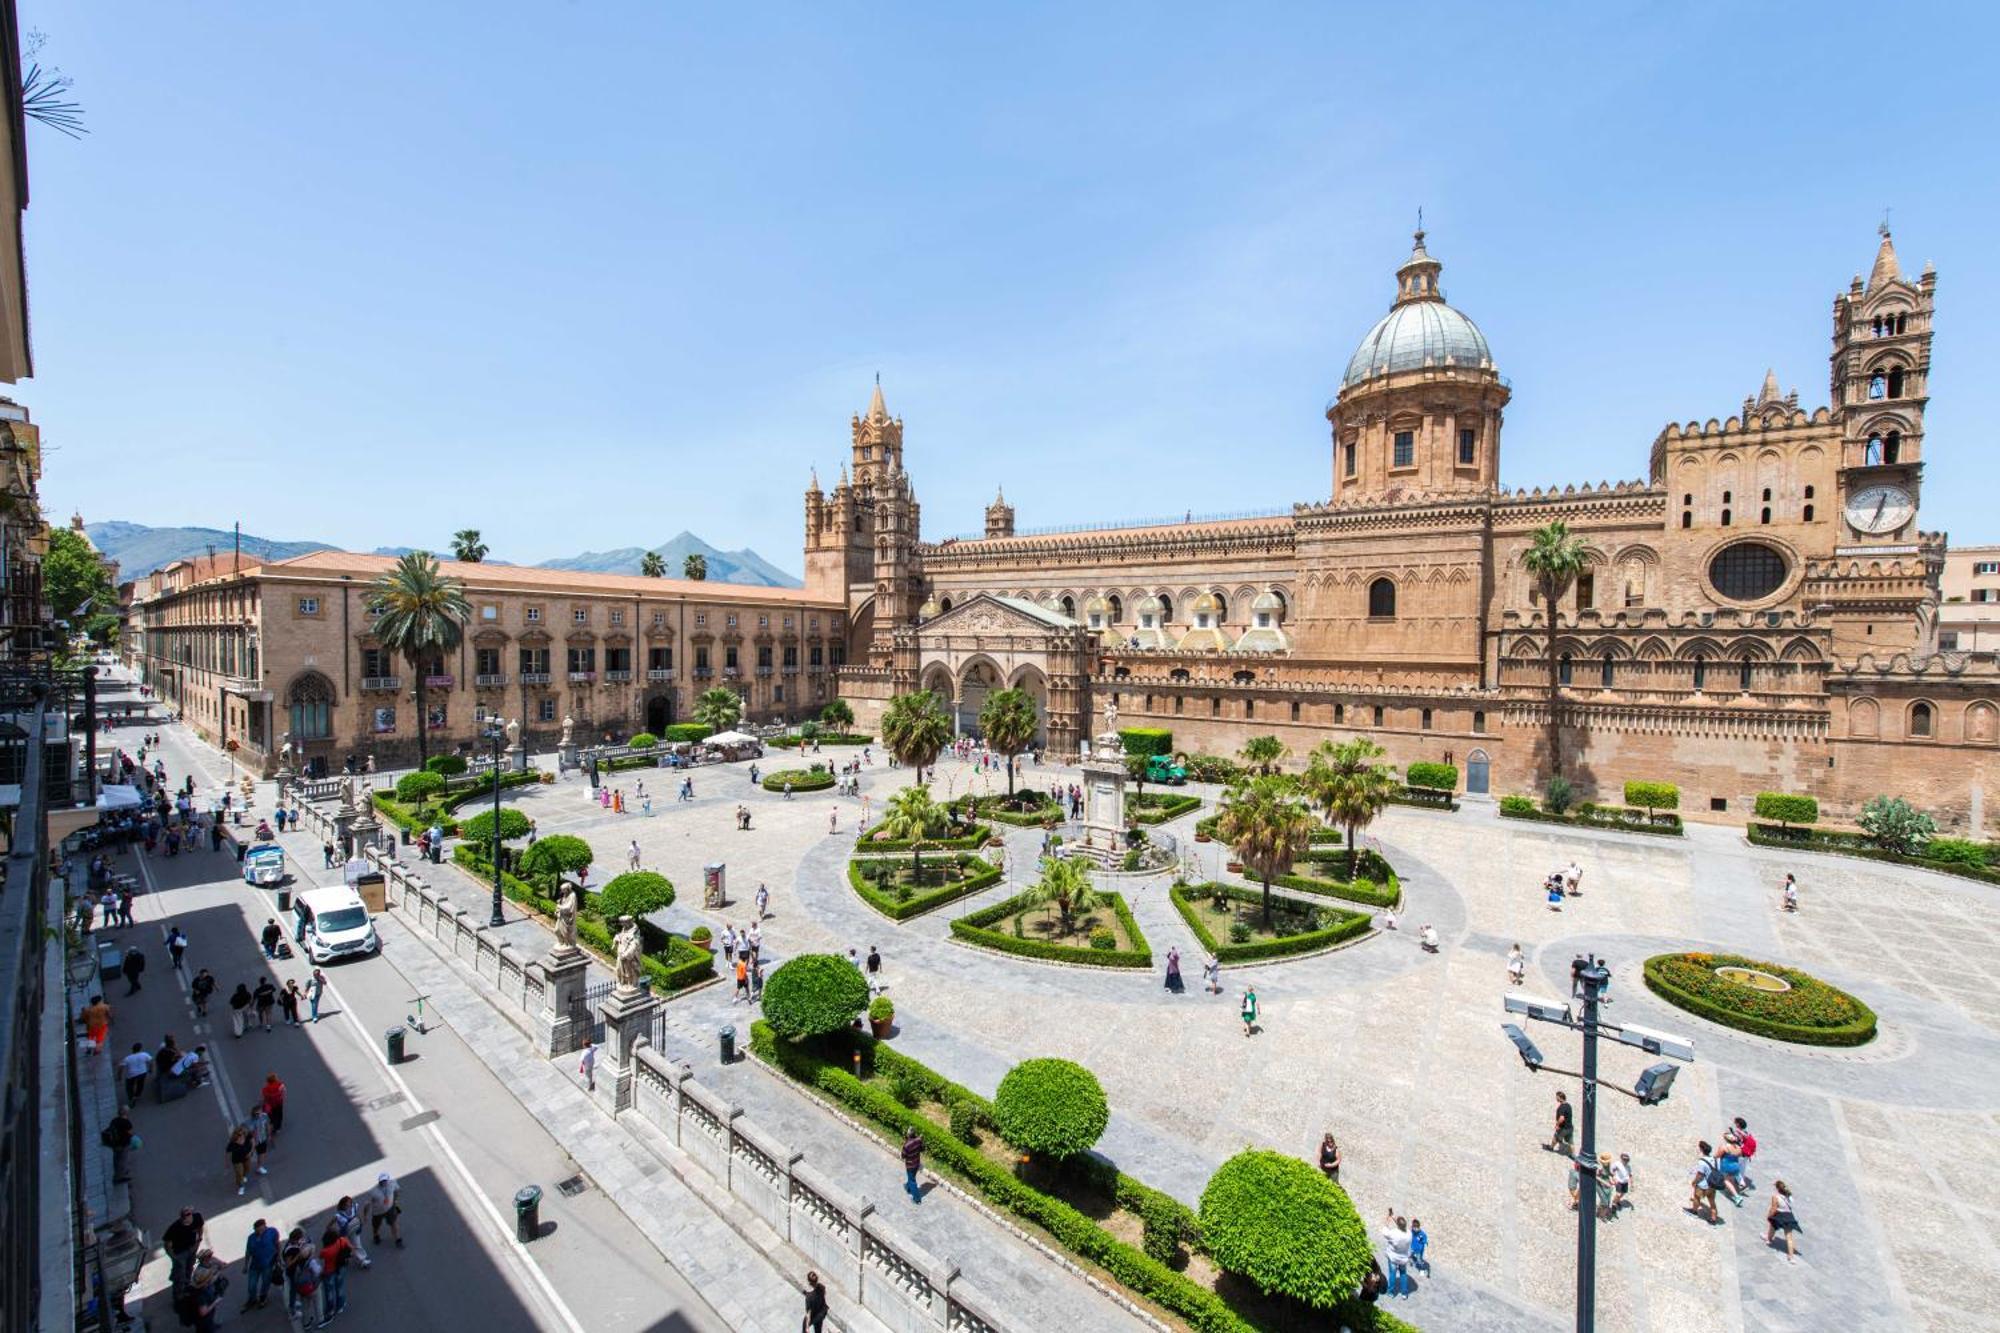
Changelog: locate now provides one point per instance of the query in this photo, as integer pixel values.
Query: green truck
(1160, 768)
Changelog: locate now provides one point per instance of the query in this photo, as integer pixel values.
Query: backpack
(1714, 1179)
(1748, 1146)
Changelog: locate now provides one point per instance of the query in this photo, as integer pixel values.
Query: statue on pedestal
(628, 955)
(1111, 717)
(347, 791)
(569, 726)
(566, 907)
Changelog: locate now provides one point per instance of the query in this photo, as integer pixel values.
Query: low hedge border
(801, 779)
(1312, 941)
(685, 965)
(972, 930)
(989, 808)
(1424, 798)
(1385, 894)
(919, 903)
(972, 842)
(1833, 843)
(458, 791)
(1066, 1226)
(824, 738)
(1668, 826)
(1687, 981)
(409, 818)
(1159, 807)
(625, 761)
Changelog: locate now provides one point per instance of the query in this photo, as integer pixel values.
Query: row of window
(1403, 451)
(1886, 326)
(1607, 672)
(378, 663)
(1886, 386)
(615, 616)
(1763, 512)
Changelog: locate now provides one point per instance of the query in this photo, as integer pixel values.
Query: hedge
(1842, 843)
(813, 994)
(462, 790)
(919, 902)
(973, 930)
(412, 820)
(1617, 818)
(989, 807)
(1053, 1107)
(636, 893)
(1811, 1013)
(1146, 740)
(1157, 807)
(971, 842)
(1347, 927)
(1076, 1232)
(627, 761)
(1213, 768)
(413, 788)
(1424, 798)
(1322, 836)
(1437, 777)
(1651, 796)
(1787, 808)
(686, 731)
(1376, 889)
(1280, 1223)
(643, 740)
(557, 854)
(824, 738)
(798, 779)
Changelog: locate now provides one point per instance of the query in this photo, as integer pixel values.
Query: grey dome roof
(1419, 335)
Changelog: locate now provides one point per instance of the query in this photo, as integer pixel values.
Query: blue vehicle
(264, 864)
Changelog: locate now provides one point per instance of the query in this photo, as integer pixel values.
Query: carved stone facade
(1758, 613)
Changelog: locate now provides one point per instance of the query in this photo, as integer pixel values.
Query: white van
(333, 923)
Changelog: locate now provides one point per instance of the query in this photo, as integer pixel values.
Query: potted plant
(700, 936)
(881, 1015)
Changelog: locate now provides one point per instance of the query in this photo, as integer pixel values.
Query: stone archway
(977, 680)
(1031, 681)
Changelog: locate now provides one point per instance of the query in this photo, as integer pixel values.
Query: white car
(333, 923)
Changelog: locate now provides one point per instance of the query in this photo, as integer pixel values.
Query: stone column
(565, 973)
(366, 831)
(1104, 778)
(628, 1020)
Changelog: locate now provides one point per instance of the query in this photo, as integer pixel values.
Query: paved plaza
(1892, 1151)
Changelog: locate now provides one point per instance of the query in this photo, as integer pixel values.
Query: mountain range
(140, 549)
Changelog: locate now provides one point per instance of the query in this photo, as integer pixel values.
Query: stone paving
(1893, 1152)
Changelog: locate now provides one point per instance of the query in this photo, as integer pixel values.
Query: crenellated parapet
(1260, 537)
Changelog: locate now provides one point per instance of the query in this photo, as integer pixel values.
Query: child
(1419, 1242)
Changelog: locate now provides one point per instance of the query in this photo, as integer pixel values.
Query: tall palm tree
(838, 715)
(1553, 559)
(1008, 722)
(1265, 752)
(695, 566)
(915, 729)
(1350, 785)
(718, 709)
(912, 816)
(419, 615)
(1268, 827)
(1065, 881)
(652, 565)
(466, 546)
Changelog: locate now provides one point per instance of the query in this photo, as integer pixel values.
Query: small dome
(929, 610)
(1269, 601)
(1422, 335)
(1097, 606)
(1205, 602)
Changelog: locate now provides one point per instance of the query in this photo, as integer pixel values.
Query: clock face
(1880, 509)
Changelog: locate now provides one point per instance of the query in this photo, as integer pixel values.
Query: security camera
(1548, 1011)
(1654, 1043)
(1531, 1055)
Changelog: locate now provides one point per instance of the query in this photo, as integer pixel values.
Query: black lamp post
(497, 733)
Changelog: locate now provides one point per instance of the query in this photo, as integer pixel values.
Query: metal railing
(371, 684)
(489, 679)
(659, 673)
(535, 677)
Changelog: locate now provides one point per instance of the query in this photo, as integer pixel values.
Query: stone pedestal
(343, 830)
(561, 1023)
(628, 1017)
(366, 832)
(517, 757)
(1104, 778)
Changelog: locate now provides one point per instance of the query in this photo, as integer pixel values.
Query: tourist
(201, 990)
(384, 1207)
(586, 1065)
(335, 1249)
(1576, 969)
(1174, 970)
(1420, 1242)
(96, 1024)
(134, 1067)
(302, 1280)
(742, 980)
(1396, 1249)
(132, 965)
(267, 998)
(833, 820)
(1703, 1182)
(238, 1150)
(288, 1001)
(1791, 893)
(1555, 892)
(1212, 971)
(1428, 938)
(815, 1320)
(1517, 966)
(632, 855)
(347, 1220)
(1389, 919)
(1602, 1182)
(728, 943)
(182, 1241)
(273, 1099)
(239, 1009)
(1329, 1157)
(1249, 1010)
(259, 1124)
(913, 1161)
(763, 901)
(1739, 1136)
(1562, 1139)
(315, 990)
(1573, 880)
(1782, 1218)
(260, 1256)
(874, 969)
(1730, 1159)
(1621, 1183)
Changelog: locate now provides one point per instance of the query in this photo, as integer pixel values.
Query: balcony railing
(791, 668)
(659, 673)
(535, 677)
(582, 677)
(439, 682)
(371, 684)
(732, 672)
(703, 673)
(763, 671)
(487, 680)
(617, 675)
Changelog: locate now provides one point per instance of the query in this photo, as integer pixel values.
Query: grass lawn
(1287, 918)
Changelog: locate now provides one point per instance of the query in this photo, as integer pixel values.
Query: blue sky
(582, 275)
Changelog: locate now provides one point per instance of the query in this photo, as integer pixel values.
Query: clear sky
(582, 275)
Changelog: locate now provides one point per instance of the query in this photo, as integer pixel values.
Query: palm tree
(718, 709)
(695, 566)
(1268, 827)
(652, 565)
(1008, 722)
(912, 816)
(419, 615)
(915, 729)
(838, 715)
(466, 546)
(1553, 560)
(1265, 752)
(1350, 785)
(1065, 882)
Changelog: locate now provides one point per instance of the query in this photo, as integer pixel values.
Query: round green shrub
(813, 994)
(687, 731)
(413, 788)
(964, 1121)
(700, 937)
(1279, 1223)
(636, 893)
(558, 854)
(799, 779)
(479, 828)
(881, 1007)
(1651, 796)
(1787, 807)
(1052, 1107)
(1103, 940)
(446, 765)
(1432, 777)
(643, 740)
(1811, 1013)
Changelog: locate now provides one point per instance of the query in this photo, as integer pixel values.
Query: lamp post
(497, 733)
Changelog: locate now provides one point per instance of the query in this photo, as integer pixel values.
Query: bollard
(395, 1041)
(726, 1040)
(527, 1213)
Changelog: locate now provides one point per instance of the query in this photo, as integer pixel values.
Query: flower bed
(1335, 924)
(798, 779)
(971, 842)
(974, 929)
(1811, 1012)
(1841, 842)
(1157, 807)
(973, 874)
(993, 807)
(824, 738)
(1621, 818)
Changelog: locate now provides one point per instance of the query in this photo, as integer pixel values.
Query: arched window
(1894, 448)
(944, 606)
(1920, 720)
(1564, 669)
(1896, 383)
(1339, 714)
(1728, 496)
(309, 704)
(1700, 671)
(1809, 492)
(1876, 326)
(1725, 518)
(1426, 721)
(1873, 453)
(1382, 599)
(1166, 609)
(1878, 384)
(1604, 672)
(1117, 608)
(1221, 609)
(1479, 719)
(1743, 676)
(1069, 607)
(1902, 323)
(1767, 495)
(1687, 519)
(1808, 514)
(1764, 515)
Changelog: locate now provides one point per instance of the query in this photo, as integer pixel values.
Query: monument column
(628, 1020)
(562, 1022)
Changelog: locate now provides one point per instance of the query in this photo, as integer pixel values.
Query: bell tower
(999, 516)
(1880, 370)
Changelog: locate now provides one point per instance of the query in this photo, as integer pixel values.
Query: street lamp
(498, 733)
(1653, 1086)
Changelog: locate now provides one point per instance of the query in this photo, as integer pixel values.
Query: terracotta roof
(325, 564)
(200, 568)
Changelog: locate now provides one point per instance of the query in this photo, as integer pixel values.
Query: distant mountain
(744, 566)
(139, 549)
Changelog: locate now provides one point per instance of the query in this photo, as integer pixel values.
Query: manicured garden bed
(1811, 1012)
(798, 779)
(1157, 807)
(1423, 798)
(1619, 818)
(1841, 842)
(1020, 926)
(824, 738)
(1322, 836)
(970, 842)
(1375, 883)
(1139, 1237)
(1233, 929)
(1041, 810)
(889, 883)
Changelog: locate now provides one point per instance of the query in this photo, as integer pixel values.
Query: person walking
(1517, 966)
(586, 1065)
(384, 1206)
(1621, 1183)
(258, 1122)
(239, 1009)
(260, 1260)
(1329, 1158)
(1173, 982)
(815, 1320)
(200, 990)
(121, 1136)
(314, 990)
(273, 1099)
(135, 1065)
(1420, 1243)
(238, 1150)
(1703, 1182)
(288, 1001)
(96, 1024)
(1563, 1138)
(133, 966)
(182, 1242)
(1791, 893)
(1249, 1010)
(632, 855)
(763, 901)
(347, 1219)
(177, 943)
(913, 1161)
(1212, 971)
(266, 997)
(273, 933)
(1782, 1218)
(742, 979)
(335, 1249)
(1738, 1136)
(1396, 1253)
(301, 1264)
(873, 966)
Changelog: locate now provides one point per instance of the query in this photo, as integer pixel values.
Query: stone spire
(999, 515)
(1886, 269)
(812, 487)
(1771, 393)
(877, 409)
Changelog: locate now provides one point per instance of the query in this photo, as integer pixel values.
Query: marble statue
(566, 918)
(569, 726)
(1111, 717)
(347, 791)
(628, 954)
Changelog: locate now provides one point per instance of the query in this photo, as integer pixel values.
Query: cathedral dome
(1420, 332)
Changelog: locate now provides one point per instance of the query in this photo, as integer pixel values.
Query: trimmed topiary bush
(1955, 852)
(964, 1121)
(1811, 1013)
(558, 854)
(446, 765)
(813, 994)
(414, 788)
(1436, 777)
(1052, 1107)
(643, 740)
(636, 893)
(1279, 1223)
(686, 731)
(1146, 740)
(1653, 796)
(479, 828)
(1787, 808)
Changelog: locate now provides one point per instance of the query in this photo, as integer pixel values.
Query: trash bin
(110, 958)
(407, 840)
(527, 1213)
(284, 901)
(727, 1041)
(394, 1037)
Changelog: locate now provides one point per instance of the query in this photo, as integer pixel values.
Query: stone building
(1969, 618)
(1758, 612)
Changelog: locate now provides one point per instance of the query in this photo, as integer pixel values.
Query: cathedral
(1758, 614)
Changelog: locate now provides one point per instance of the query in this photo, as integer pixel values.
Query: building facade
(1969, 616)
